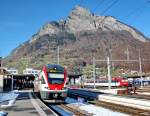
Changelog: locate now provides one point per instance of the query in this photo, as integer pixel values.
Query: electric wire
(81, 2)
(98, 5)
(110, 6)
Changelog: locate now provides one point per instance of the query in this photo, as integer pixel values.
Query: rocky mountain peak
(81, 12)
(94, 33)
(49, 28)
(80, 19)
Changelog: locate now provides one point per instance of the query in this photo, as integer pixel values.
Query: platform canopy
(3, 71)
(134, 77)
(23, 76)
(74, 75)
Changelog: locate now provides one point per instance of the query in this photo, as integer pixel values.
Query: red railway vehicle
(51, 83)
(115, 82)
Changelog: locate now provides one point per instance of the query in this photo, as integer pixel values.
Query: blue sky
(20, 19)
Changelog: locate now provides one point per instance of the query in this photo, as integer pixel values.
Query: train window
(55, 80)
(52, 75)
(42, 80)
(55, 69)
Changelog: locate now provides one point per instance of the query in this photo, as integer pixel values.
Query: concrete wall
(1, 83)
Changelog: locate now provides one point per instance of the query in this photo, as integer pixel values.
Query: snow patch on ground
(93, 109)
(100, 111)
(70, 100)
(3, 113)
(10, 97)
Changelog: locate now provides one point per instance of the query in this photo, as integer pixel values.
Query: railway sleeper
(76, 111)
(121, 108)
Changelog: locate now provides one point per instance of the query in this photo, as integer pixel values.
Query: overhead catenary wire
(81, 2)
(110, 6)
(148, 2)
(98, 5)
(139, 10)
(114, 3)
(135, 11)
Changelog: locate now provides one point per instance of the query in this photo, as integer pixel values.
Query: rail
(75, 111)
(121, 108)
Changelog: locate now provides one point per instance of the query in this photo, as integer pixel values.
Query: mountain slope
(83, 35)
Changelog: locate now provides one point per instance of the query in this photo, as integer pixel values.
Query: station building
(136, 80)
(4, 80)
(10, 79)
(12, 71)
(31, 71)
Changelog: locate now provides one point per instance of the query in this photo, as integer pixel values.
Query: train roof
(55, 66)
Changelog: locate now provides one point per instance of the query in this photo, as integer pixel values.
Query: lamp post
(58, 55)
(140, 65)
(108, 73)
(94, 70)
(12, 82)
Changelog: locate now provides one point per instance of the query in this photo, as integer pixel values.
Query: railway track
(144, 89)
(113, 106)
(54, 107)
(147, 97)
(139, 93)
(120, 108)
(75, 111)
(65, 110)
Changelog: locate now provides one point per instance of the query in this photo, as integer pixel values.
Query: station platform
(102, 90)
(126, 101)
(111, 96)
(26, 105)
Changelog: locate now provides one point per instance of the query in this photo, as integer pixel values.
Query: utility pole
(48, 47)
(12, 82)
(108, 73)
(109, 57)
(27, 65)
(58, 54)
(140, 65)
(127, 54)
(94, 71)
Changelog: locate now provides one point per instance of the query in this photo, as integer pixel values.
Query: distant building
(12, 71)
(3, 78)
(31, 71)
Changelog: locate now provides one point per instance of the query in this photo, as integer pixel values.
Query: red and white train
(51, 82)
(115, 82)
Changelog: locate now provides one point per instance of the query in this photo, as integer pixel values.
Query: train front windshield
(55, 78)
